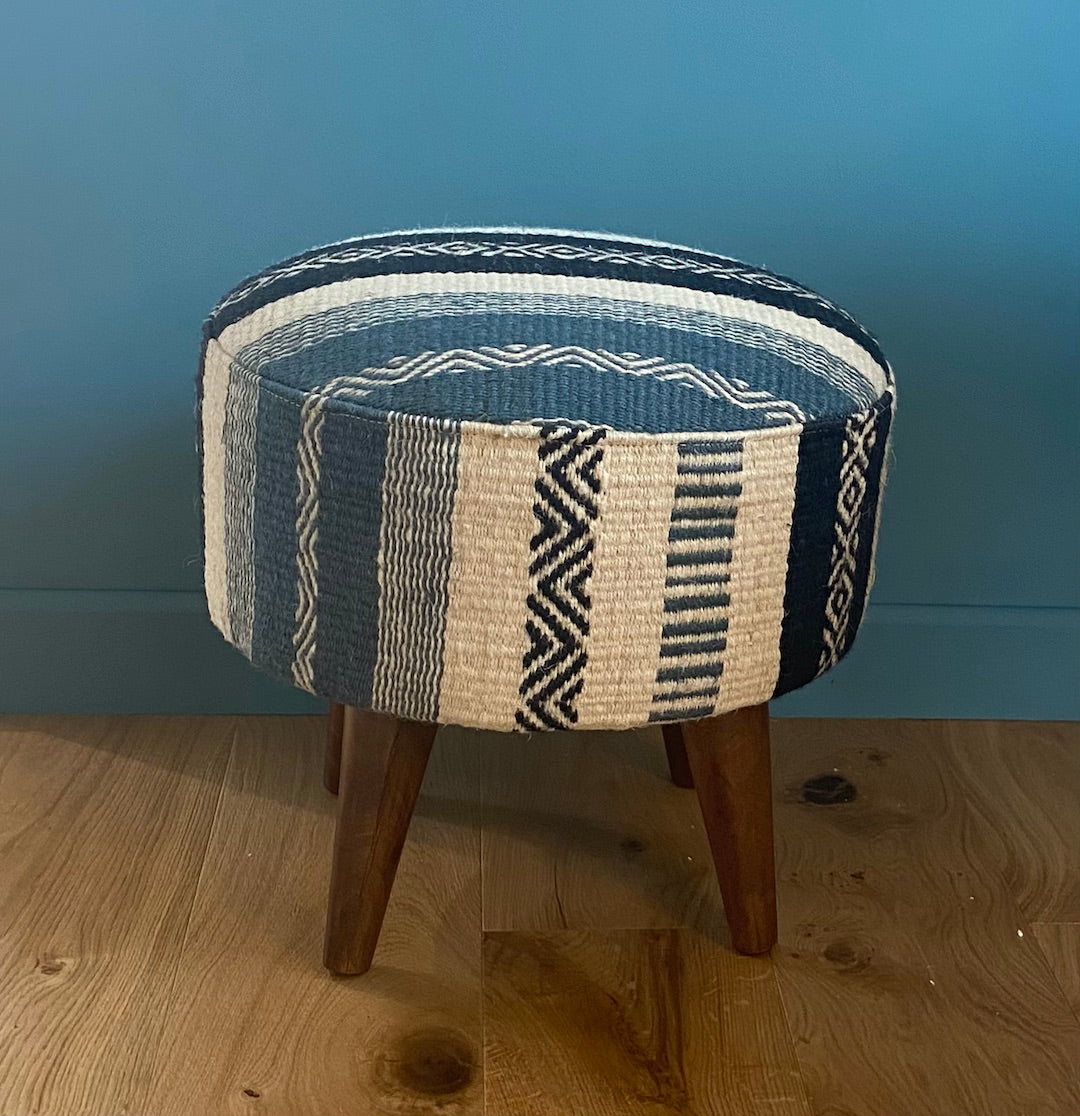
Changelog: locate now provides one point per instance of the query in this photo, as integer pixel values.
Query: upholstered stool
(533, 480)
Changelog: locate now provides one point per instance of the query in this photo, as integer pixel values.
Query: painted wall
(917, 163)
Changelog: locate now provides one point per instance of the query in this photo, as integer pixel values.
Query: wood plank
(1060, 943)
(586, 830)
(596, 1000)
(103, 826)
(633, 1022)
(912, 981)
(256, 1018)
(1022, 779)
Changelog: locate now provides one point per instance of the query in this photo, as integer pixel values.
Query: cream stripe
(759, 571)
(492, 526)
(627, 589)
(312, 300)
(215, 390)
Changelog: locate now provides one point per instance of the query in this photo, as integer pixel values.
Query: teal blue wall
(916, 162)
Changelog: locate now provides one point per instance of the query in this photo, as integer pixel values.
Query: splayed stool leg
(729, 760)
(383, 760)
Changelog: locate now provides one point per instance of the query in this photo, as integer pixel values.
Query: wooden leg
(335, 725)
(382, 766)
(678, 764)
(729, 759)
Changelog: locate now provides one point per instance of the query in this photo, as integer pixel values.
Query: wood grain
(1060, 943)
(633, 1022)
(911, 979)
(729, 759)
(103, 824)
(256, 1020)
(335, 728)
(907, 986)
(585, 830)
(383, 760)
(1022, 781)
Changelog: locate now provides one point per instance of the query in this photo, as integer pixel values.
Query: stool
(533, 480)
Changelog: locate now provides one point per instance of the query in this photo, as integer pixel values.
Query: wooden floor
(555, 943)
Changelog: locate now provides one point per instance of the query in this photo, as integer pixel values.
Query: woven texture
(534, 479)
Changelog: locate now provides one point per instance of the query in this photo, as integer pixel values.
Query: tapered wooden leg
(678, 764)
(729, 760)
(382, 766)
(335, 725)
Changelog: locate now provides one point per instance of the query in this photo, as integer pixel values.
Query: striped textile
(534, 479)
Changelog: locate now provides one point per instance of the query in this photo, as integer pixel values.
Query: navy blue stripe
(694, 627)
(692, 512)
(200, 386)
(691, 469)
(327, 351)
(699, 558)
(804, 304)
(350, 521)
(867, 523)
(701, 647)
(699, 670)
(694, 603)
(675, 713)
(702, 531)
(711, 579)
(675, 695)
(717, 447)
(817, 484)
(707, 491)
(274, 527)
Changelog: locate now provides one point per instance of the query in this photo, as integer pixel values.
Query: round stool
(530, 480)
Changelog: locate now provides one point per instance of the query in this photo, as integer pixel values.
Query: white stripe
(489, 582)
(312, 300)
(626, 618)
(759, 563)
(215, 390)
(395, 246)
(241, 468)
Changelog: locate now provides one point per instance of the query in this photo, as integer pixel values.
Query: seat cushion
(537, 479)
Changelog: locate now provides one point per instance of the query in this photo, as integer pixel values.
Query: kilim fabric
(534, 479)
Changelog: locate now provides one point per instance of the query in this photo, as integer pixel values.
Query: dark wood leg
(382, 766)
(678, 764)
(335, 725)
(729, 759)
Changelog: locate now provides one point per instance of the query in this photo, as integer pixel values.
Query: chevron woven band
(537, 479)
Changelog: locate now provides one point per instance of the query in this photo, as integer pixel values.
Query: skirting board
(90, 651)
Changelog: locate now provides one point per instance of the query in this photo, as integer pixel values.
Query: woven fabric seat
(532, 479)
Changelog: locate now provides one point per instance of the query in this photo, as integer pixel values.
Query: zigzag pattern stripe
(859, 437)
(308, 473)
(309, 456)
(553, 667)
(729, 269)
(414, 561)
(780, 412)
(287, 340)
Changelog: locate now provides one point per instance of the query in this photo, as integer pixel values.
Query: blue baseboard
(90, 651)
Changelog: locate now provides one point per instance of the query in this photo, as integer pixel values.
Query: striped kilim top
(537, 479)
